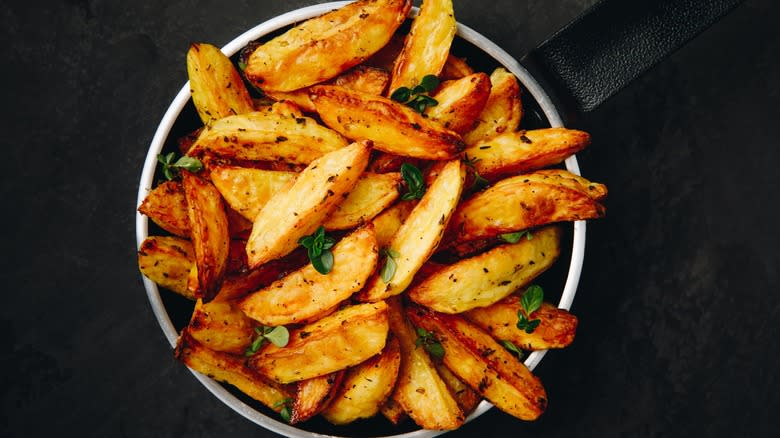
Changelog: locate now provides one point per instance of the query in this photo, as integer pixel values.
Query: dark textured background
(678, 301)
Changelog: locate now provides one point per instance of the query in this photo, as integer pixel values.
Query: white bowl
(163, 130)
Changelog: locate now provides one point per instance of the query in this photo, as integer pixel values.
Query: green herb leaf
(241, 65)
(415, 97)
(479, 182)
(429, 342)
(318, 246)
(171, 169)
(388, 269)
(278, 336)
(284, 412)
(401, 94)
(192, 164)
(470, 162)
(515, 237)
(429, 82)
(415, 183)
(513, 348)
(532, 299)
(324, 263)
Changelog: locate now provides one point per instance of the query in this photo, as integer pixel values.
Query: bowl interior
(173, 312)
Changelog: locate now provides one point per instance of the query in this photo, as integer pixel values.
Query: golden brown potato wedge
(386, 56)
(390, 220)
(426, 46)
(455, 68)
(221, 326)
(366, 386)
(313, 395)
(479, 361)
(467, 398)
(419, 389)
(371, 195)
(556, 330)
(167, 207)
(393, 411)
(335, 342)
(503, 110)
(316, 192)
(382, 162)
(167, 261)
(232, 369)
(525, 201)
(210, 236)
(485, 279)
(393, 127)
(268, 136)
(321, 48)
(524, 151)
(420, 234)
(305, 293)
(460, 102)
(216, 86)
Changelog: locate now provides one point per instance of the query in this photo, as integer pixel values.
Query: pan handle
(615, 41)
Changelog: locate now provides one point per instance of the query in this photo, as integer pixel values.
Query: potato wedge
(522, 202)
(166, 206)
(420, 234)
(216, 86)
(315, 394)
(221, 326)
(382, 162)
(268, 136)
(231, 369)
(390, 220)
(297, 212)
(455, 68)
(524, 151)
(478, 360)
(366, 387)
(305, 293)
(426, 46)
(167, 261)
(393, 411)
(487, 278)
(419, 389)
(460, 102)
(393, 127)
(364, 79)
(556, 330)
(209, 229)
(337, 341)
(322, 47)
(467, 398)
(503, 110)
(371, 195)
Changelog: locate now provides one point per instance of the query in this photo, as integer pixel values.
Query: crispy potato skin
(503, 110)
(267, 136)
(366, 386)
(221, 326)
(389, 221)
(420, 233)
(231, 369)
(305, 293)
(522, 202)
(322, 47)
(370, 196)
(313, 395)
(460, 102)
(166, 206)
(393, 127)
(216, 86)
(419, 389)
(467, 398)
(479, 361)
(317, 191)
(524, 151)
(427, 45)
(485, 279)
(342, 339)
(393, 411)
(210, 236)
(167, 261)
(556, 330)
(455, 68)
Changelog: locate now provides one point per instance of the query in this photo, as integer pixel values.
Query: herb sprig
(318, 245)
(415, 183)
(388, 269)
(171, 168)
(278, 336)
(429, 342)
(415, 98)
(479, 182)
(516, 236)
(531, 301)
(514, 349)
(285, 412)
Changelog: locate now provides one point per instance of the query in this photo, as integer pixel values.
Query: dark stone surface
(678, 301)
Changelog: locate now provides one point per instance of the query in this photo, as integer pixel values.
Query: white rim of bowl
(181, 99)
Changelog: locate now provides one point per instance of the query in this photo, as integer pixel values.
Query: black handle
(615, 41)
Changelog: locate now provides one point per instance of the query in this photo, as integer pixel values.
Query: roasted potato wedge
(313, 395)
(460, 102)
(322, 47)
(503, 110)
(393, 411)
(370, 196)
(366, 386)
(419, 389)
(525, 201)
(216, 86)
(556, 330)
(478, 360)
(426, 46)
(298, 211)
(231, 369)
(393, 127)
(487, 278)
(337, 341)
(420, 234)
(167, 261)
(390, 220)
(209, 230)
(305, 294)
(166, 206)
(221, 326)
(467, 398)
(455, 68)
(268, 136)
(524, 151)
